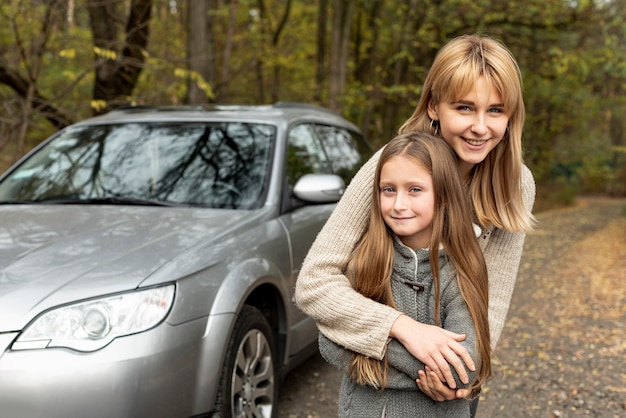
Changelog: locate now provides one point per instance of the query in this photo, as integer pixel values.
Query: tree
(200, 51)
(366, 59)
(119, 63)
(31, 57)
(320, 67)
(343, 14)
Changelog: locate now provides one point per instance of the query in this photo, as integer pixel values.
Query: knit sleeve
(400, 360)
(341, 357)
(324, 292)
(503, 252)
(456, 317)
(333, 353)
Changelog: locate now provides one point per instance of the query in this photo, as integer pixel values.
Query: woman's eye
(464, 108)
(386, 189)
(415, 190)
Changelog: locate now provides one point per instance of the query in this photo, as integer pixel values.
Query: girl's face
(472, 125)
(407, 200)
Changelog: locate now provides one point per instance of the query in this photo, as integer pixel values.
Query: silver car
(148, 259)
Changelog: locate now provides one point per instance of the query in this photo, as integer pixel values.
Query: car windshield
(217, 165)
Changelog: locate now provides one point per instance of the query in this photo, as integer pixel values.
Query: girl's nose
(400, 202)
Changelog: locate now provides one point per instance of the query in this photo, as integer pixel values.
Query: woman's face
(472, 125)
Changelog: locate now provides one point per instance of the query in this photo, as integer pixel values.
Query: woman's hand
(434, 388)
(435, 347)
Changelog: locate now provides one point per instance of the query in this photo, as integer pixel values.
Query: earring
(434, 126)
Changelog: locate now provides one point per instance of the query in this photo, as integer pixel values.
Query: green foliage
(571, 54)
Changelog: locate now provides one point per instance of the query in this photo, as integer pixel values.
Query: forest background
(64, 60)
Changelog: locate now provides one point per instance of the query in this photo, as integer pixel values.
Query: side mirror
(319, 188)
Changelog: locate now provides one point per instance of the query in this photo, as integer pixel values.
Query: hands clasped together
(438, 349)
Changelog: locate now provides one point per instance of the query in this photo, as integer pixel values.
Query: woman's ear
(432, 111)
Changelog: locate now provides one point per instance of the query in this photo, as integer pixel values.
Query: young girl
(472, 97)
(420, 255)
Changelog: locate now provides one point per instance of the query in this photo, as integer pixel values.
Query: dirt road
(563, 349)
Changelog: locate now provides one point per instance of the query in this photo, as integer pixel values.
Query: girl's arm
(455, 318)
(341, 358)
(503, 252)
(403, 367)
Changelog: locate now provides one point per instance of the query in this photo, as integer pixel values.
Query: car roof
(280, 112)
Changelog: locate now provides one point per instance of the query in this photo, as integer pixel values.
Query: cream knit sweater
(361, 324)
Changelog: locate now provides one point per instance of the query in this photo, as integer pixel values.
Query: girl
(420, 255)
(472, 97)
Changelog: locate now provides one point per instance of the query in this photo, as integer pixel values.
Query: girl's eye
(387, 189)
(415, 189)
(463, 108)
(496, 110)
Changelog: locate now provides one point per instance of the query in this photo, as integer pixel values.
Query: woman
(472, 97)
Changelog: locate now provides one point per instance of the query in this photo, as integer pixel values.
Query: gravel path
(563, 350)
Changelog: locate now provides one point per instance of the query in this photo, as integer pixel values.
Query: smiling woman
(475, 123)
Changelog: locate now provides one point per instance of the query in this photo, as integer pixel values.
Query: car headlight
(91, 325)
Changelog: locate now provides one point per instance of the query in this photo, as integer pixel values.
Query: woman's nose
(479, 126)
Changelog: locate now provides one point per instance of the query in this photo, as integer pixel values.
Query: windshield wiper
(120, 200)
(105, 200)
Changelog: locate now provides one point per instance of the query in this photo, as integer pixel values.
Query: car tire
(249, 382)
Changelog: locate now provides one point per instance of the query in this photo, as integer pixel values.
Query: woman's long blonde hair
(495, 183)
(371, 265)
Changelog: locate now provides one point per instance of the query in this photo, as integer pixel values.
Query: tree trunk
(199, 51)
(343, 12)
(320, 68)
(275, 40)
(119, 65)
(228, 49)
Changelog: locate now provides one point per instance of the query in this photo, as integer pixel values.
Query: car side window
(341, 147)
(305, 154)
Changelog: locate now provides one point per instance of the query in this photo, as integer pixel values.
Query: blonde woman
(419, 254)
(472, 98)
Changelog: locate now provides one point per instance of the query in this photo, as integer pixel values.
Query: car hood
(55, 254)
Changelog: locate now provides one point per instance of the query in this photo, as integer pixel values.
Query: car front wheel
(249, 384)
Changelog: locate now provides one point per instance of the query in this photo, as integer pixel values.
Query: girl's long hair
(495, 184)
(371, 265)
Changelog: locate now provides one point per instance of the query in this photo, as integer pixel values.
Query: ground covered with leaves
(563, 349)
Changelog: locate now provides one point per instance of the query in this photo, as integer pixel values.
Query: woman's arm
(503, 252)
(325, 293)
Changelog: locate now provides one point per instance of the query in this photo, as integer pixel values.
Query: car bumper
(169, 371)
